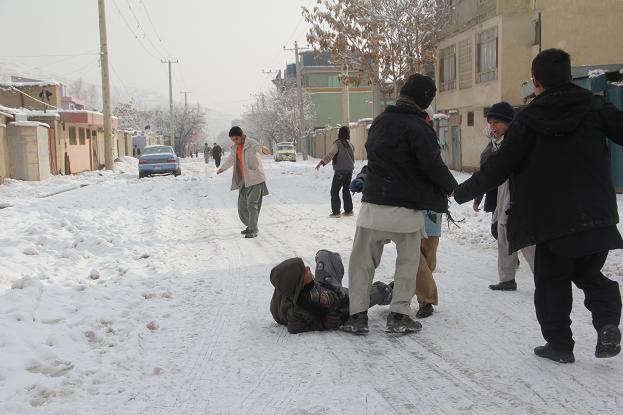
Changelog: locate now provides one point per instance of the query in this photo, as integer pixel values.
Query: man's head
(236, 135)
(550, 68)
(500, 115)
(343, 133)
(419, 88)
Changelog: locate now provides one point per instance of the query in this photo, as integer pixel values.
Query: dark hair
(343, 133)
(235, 131)
(552, 67)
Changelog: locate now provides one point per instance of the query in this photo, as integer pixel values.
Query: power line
(132, 31)
(154, 27)
(140, 27)
(50, 56)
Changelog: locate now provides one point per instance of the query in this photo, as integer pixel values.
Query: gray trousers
(365, 258)
(250, 203)
(508, 264)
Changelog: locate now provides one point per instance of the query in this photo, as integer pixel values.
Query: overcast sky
(222, 46)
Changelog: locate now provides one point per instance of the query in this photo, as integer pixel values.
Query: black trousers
(217, 160)
(553, 274)
(341, 180)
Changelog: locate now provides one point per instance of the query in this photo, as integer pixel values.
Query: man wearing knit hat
(555, 155)
(406, 176)
(499, 118)
(248, 177)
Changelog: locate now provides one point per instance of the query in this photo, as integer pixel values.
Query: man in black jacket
(406, 175)
(563, 201)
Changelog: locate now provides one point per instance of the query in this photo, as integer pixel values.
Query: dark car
(157, 159)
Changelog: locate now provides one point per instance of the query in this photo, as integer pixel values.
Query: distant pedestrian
(217, 152)
(134, 150)
(342, 153)
(206, 153)
(138, 151)
(248, 178)
(562, 200)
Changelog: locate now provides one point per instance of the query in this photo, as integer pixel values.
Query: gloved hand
(494, 230)
(356, 185)
(332, 320)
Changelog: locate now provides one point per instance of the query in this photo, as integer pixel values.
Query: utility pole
(105, 87)
(185, 98)
(345, 96)
(171, 115)
(299, 88)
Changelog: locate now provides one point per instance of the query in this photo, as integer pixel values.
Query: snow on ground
(127, 296)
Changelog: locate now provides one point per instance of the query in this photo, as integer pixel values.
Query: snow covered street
(127, 296)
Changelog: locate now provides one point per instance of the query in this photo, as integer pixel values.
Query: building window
(466, 78)
(470, 119)
(72, 136)
(447, 68)
(88, 134)
(81, 136)
(94, 134)
(537, 32)
(487, 55)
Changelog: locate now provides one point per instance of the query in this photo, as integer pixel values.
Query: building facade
(485, 51)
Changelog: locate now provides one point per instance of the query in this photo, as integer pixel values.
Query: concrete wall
(13, 99)
(323, 139)
(28, 152)
(591, 31)
(4, 151)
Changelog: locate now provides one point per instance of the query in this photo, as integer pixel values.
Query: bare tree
(386, 40)
(276, 117)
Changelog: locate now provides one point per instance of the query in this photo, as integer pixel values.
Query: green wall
(328, 106)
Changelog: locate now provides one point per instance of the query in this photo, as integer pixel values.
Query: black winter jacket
(491, 197)
(556, 156)
(404, 162)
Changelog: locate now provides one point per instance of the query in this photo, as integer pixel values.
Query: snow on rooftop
(30, 83)
(440, 116)
(366, 120)
(594, 73)
(40, 113)
(29, 124)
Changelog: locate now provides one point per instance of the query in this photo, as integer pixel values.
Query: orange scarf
(239, 157)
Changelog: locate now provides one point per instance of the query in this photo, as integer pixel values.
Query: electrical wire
(132, 31)
(141, 28)
(154, 27)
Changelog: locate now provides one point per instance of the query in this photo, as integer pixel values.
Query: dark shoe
(425, 310)
(551, 354)
(504, 286)
(357, 323)
(608, 341)
(250, 234)
(335, 215)
(348, 213)
(245, 231)
(401, 323)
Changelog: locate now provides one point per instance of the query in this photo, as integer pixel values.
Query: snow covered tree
(386, 40)
(127, 114)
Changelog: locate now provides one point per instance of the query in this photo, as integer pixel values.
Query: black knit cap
(420, 88)
(502, 111)
(343, 133)
(235, 132)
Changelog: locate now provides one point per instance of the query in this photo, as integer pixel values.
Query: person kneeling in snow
(303, 302)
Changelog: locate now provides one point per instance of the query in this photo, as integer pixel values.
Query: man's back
(405, 165)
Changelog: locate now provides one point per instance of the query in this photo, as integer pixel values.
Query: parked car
(285, 151)
(157, 159)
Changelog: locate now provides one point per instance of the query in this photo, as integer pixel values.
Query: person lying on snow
(303, 302)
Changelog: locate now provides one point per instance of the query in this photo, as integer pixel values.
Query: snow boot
(549, 353)
(357, 323)
(245, 231)
(250, 234)
(425, 310)
(401, 323)
(348, 213)
(608, 341)
(504, 286)
(335, 215)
